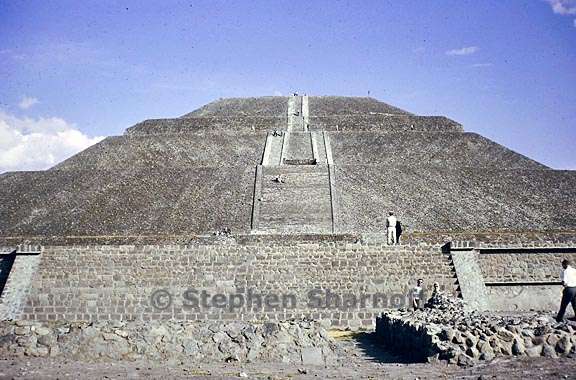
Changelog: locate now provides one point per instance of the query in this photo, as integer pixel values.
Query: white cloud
(27, 102)
(563, 7)
(482, 65)
(463, 51)
(37, 144)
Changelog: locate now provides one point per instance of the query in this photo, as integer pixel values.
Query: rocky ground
(445, 330)
(362, 358)
(287, 350)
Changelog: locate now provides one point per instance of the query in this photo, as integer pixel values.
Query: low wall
(300, 342)
(344, 284)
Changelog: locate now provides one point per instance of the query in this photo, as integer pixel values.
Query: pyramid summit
(344, 162)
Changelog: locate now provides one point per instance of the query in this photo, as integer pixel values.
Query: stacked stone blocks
(102, 283)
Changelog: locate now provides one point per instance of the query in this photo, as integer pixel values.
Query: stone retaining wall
(300, 342)
(158, 282)
(524, 278)
(511, 239)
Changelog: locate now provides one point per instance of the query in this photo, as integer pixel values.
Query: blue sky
(75, 71)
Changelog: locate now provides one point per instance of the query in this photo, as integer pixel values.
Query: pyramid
(289, 165)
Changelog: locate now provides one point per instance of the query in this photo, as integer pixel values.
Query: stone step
(311, 183)
(299, 147)
(299, 204)
(287, 199)
(286, 169)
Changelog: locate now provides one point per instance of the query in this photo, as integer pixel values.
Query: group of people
(568, 277)
(418, 298)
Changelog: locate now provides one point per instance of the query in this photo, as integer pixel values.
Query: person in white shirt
(568, 277)
(417, 295)
(391, 222)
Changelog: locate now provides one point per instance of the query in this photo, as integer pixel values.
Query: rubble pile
(443, 330)
(295, 341)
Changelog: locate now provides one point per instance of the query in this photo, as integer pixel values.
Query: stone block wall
(345, 284)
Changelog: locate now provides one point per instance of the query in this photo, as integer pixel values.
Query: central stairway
(297, 203)
(292, 192)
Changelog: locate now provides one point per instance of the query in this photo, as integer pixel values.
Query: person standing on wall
(391, 223)
(568, 277)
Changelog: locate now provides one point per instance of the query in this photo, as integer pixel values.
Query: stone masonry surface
(196, 174)
(431, 198)
(470, 279)
(338, 105)
(17, 287)
(523, 267)
(387, 123)
(183, 151)
(207, 125)
(118, 282)
(144, 201)
(449, 150)
(202, 199)
(265, 106)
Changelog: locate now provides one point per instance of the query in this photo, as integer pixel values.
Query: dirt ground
(499, 369)
(361, 358)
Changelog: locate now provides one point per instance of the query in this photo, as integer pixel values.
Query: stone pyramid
(289, 165)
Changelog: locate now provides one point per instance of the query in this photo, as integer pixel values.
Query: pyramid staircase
(292, 192)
